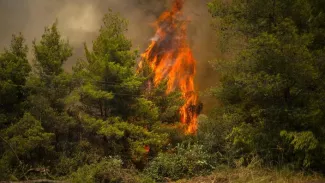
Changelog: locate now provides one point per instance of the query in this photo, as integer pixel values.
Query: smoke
(79, 21)
(203, 42)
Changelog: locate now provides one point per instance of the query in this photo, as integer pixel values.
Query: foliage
(27, 144)
(107, 75)
(51, 52)
(271, 90)
(185, 161)
(107, 100)
(211, 134)
(107, 170)
(14, 69)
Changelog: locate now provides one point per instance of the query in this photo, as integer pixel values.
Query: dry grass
(249, 175)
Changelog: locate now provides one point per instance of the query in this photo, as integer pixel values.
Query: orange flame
(170, 57)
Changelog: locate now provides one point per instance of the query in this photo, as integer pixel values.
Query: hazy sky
(79, 21)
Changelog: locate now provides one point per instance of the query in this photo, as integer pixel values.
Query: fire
(171, 58)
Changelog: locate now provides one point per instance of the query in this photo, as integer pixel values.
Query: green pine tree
(271, 94)
(14, 71)
(108, 104)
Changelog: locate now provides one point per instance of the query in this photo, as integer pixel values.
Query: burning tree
(170, 57)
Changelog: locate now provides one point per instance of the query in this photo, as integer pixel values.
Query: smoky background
(80, 20)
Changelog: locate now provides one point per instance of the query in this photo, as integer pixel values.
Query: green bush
(212, 133)
(186, 161)
(108, 170)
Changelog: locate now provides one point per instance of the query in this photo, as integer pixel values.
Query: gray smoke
(79, 21)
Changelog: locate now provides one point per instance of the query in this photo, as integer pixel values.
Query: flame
(170, 57)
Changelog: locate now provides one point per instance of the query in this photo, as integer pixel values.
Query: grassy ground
(249, 175)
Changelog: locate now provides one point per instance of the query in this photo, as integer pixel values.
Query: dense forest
(100, 123)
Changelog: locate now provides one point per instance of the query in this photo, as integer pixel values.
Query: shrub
(187, 161)
(109, 170)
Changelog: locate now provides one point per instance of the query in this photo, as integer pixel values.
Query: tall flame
(170, 57)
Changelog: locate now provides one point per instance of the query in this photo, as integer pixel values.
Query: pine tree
(272, 92)
(14, 71)
(108, 104)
